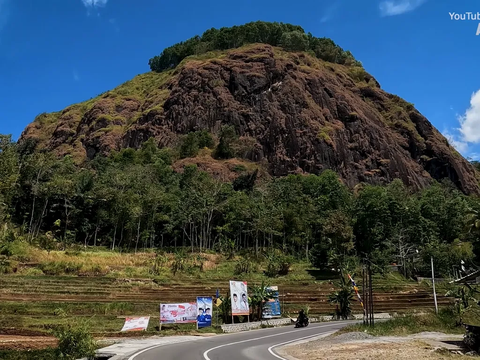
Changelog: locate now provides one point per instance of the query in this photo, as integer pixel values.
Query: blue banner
(204, 311)
(272, 307)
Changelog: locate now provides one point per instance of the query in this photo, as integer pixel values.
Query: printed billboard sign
(178, 313)
(272, 307)
(239, 298)
(204, 311)
(136, 323)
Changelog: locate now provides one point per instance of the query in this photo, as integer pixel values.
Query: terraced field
(34, 304)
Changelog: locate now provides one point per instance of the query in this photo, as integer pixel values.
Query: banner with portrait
(204, 311)
(178, 313)
(239, 298)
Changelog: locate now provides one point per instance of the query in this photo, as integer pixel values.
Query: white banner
(239, 298)
(178, 313)
(136, 324)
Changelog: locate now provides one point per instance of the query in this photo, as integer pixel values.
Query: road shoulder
(428, 346)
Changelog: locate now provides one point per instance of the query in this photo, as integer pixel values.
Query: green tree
(224, 148)
(295, 41)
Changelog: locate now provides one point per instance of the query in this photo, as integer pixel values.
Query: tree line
(290, 37)
(134, 200)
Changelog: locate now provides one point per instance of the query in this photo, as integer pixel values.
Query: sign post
(239, 299)
(204, 311)
(183, 313)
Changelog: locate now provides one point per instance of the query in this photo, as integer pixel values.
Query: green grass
(445, 322)
(48, 354)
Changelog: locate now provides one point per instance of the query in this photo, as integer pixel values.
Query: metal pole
(433, 283)
(364, 290)
(371, 294)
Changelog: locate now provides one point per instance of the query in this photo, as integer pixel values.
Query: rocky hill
(294, 113)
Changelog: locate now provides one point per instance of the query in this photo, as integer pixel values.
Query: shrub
(7, 266)
(189, 146)
(471, 339)
(179, 263)
(245, 266)
(75, 342)
(278, 264)
(205, 139)
(159, 263)
(225, 149)
(59, 268)
(194, 141)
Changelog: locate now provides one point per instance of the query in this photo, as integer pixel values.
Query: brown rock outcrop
(299, 115)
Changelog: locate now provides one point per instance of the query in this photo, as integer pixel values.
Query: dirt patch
(364, 351)
(351, 346)
(12, 342)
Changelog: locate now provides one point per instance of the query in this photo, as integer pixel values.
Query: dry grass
(110, 259)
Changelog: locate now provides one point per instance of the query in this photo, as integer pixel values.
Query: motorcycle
(300, 323)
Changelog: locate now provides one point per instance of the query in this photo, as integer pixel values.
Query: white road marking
(205, 354)
(270, 349)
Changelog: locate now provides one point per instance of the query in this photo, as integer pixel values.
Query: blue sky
(57, 52)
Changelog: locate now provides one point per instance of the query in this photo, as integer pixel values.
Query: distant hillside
(292, 112)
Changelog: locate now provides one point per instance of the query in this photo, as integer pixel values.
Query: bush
(194, 141)
(189, 146)
(245, 266)
(225, 149)
(471, 339)
(8, 266)
(278, 264)
(60, 268)
(75, 342)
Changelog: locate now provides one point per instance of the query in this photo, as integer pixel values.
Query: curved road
(251, 345)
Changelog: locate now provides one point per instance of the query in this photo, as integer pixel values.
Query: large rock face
(293, 112)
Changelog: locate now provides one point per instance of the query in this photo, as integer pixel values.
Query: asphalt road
(252, 345)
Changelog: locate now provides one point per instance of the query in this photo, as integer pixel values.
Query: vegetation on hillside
(290, 37)
(134, 200)
(402, 325)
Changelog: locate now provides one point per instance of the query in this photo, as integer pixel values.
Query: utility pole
(433, 283)
(364, 291)
(371, 293)
(367, 289)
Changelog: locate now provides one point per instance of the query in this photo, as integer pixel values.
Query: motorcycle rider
(301, 317)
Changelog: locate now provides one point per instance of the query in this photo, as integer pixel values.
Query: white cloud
(113, 22)
(398, 7)
(470, 121)
(94, 3)
(473, 156)
(329, 12)
(76, 77)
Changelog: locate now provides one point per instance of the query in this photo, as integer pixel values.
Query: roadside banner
(204, 311)
(272, 307)
(136, 323)
(183, 313)
(239, 297)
